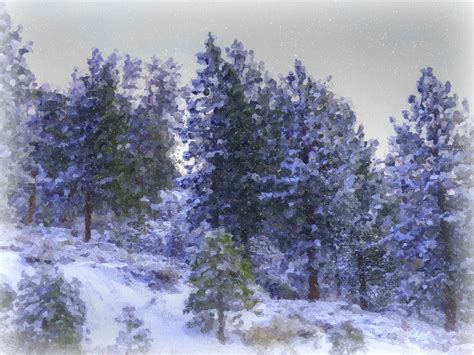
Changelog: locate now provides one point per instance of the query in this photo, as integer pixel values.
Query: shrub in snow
(279, 330)
(221, 277)
(135, 338)
(346, 339)
(50, 313)
(157, 277)
(7, 296)
(44, 249)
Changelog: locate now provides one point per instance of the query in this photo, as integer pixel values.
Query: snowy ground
(112, 278)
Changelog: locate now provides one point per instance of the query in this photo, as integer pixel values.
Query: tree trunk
(220, 319)
(88, 217)
(313, 283)
(450, 306)
(337, 275)
(32, 200)
(244, 239)
(363, 302)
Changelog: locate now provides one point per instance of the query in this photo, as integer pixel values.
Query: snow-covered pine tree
(48, 125)
(98, 127)
(17, 83)
(364, 205)
(151, 136)
(222, 134)
(431, 170)
(314, 182)
(222, 278)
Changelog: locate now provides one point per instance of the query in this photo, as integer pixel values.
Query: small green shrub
(50, 314)
(346, 339)
(7, 297)
(279, 330)
(135, 338)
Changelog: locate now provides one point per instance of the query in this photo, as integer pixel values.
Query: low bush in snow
(50, 313)
(135, 338)
(7, 297)
(346, 339)
(279, 330)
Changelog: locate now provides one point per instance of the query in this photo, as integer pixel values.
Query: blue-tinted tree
(223, 137)
(431, 169)
(17, 84)
(97, 128)
(319, 161)
(49, 126)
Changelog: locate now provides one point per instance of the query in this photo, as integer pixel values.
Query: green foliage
(222, 278)
(7, 296)
(346, 339)
(279, 330)
(50, 313)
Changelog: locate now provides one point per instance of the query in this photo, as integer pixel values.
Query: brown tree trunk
(88, 209)
(450, 306)
(32, 200)
(362, 282)
(313, 283)
(220, 319)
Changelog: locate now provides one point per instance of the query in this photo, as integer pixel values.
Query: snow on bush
(346, 339)
(50, 312)
(280, 329)
(135, 338)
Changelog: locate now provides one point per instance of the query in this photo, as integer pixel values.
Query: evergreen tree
(98, 128)
(222, 134)
(49, 125)
(151, 137)
(222, 278)
(319, 163)
(17, 83)
(431, 167)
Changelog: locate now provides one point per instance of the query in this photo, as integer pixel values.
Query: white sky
(373, 50)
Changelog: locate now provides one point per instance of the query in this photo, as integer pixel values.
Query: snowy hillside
(112, 278)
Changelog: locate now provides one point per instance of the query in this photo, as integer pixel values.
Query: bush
(7, 296)
(50, 314)
(280, 330)
(134, 338)
(346, 339)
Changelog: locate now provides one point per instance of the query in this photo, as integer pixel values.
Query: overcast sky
(373, 51)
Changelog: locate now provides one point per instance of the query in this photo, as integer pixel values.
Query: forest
(254, 205)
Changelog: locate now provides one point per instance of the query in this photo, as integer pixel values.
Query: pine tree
(311, 180)
(431, 167)
(222, 279)
(48, 125)
(17, 83)
(97, 129)
(151, 136)
(222, 134)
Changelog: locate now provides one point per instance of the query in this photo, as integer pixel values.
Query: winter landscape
(238, 212)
